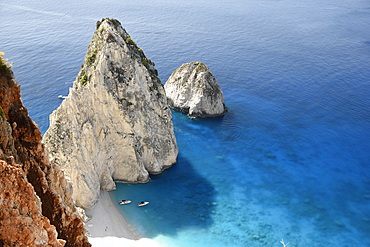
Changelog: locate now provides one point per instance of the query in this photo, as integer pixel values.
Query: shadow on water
(179, 199)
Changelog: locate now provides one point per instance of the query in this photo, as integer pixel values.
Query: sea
(289, 161)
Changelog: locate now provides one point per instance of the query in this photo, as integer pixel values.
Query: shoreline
(106, 220)
(107, 226)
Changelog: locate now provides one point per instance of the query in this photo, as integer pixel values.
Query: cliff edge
(192, 89)
(35, 199)
(115, 124)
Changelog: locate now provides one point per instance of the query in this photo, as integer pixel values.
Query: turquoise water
(289, 160)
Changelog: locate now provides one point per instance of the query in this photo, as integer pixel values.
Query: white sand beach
(108, 227)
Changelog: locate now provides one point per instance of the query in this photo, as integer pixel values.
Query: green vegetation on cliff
(115, 22)
(83, 79)
(201, 67)
(90, 59)
(4, 64)
(2, 113)
(112, 34)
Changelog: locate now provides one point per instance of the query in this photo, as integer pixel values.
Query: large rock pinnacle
(115, 124)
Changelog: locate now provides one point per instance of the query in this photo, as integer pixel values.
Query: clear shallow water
(289, 160)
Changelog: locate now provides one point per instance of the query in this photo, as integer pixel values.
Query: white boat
(124, 202)
(142, 204)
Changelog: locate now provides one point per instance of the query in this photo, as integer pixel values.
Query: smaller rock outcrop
(192, 89)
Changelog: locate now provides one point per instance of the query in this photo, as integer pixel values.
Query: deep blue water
(291, 158)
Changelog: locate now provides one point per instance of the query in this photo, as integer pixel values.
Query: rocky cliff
(115, 124)
(35, 199)
(194, 90)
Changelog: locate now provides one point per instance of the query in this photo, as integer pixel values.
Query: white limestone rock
(194, 90)
(115, 124)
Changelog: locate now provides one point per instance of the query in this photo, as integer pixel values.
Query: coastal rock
(35, 199)
(194, 90)
(22, 222)
(115, 124)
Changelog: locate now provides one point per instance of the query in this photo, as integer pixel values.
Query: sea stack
(192, 89)
(115, 124)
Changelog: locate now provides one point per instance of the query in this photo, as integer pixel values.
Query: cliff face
(115, 124)
(22, 222)
(35, 199)
(194, 90)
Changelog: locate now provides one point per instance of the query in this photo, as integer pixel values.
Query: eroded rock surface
(115, 124)
(22, 222)
(35, 199)
(194, 90)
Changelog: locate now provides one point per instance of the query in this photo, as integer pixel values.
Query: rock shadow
(180, 199)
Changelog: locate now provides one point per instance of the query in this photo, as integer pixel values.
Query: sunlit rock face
(115, 124)
(35, 198)
(194, 90)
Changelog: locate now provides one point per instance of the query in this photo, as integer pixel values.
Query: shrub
(2, 113)
(201, 67)
(115, 22)
(145, 62)
(130, 41)
(91, 57)
(83, 79)
(98, 24)
(4, 64)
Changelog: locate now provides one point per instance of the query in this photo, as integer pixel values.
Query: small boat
(62, 97)
(142, 204)
(124, 202)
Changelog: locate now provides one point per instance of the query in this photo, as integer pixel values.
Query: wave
(45, 12)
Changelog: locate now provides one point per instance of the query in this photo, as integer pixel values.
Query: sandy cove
(108, 227)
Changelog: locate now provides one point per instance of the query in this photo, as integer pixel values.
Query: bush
(91, 57)
(201, 67)
(83, 79)
(130, 41)
(98, 24)
(2, 113)
(4, 64)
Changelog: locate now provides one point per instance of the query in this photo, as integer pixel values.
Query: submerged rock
(194, 90)
(115, 124)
